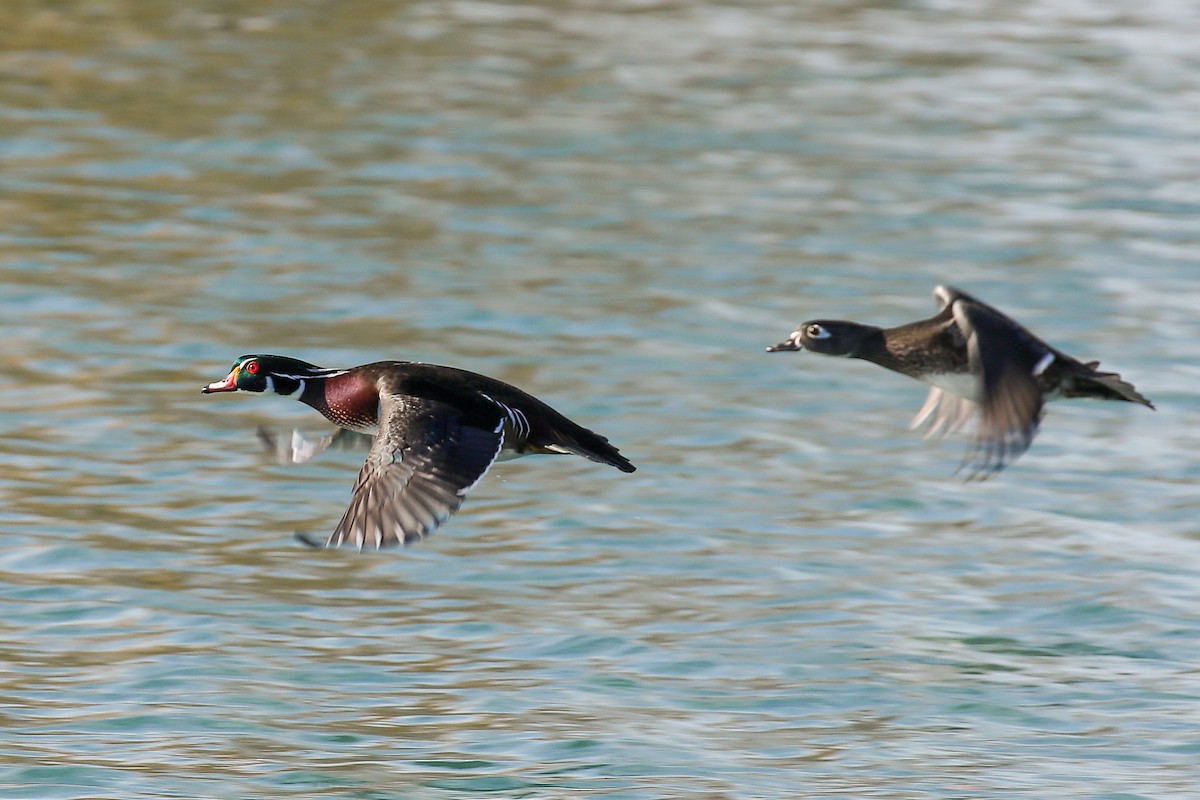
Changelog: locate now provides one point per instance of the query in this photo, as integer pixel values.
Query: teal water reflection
(615, 208)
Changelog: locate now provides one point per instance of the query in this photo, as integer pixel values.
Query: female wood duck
(980, 363)
(437, 431)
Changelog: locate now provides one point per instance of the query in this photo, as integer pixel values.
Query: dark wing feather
(1005, 356)
(424, 461)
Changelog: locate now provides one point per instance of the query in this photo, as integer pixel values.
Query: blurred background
(616, 206)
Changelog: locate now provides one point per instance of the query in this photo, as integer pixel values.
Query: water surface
(615, 207)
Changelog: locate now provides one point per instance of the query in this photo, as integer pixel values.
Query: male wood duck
(980, 363)
(436, 431)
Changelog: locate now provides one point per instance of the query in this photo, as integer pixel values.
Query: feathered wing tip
(420, 469)
(988, 454)
(999, 438)
(423, 463)
(945, 413)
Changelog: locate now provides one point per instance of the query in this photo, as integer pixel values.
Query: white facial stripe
(1042, 365)
(317, 373)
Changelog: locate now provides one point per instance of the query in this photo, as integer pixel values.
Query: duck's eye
(815, 331)
(251, 367)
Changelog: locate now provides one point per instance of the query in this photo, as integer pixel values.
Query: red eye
(251, 367)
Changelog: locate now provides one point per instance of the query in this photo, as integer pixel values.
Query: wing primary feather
(424, 461)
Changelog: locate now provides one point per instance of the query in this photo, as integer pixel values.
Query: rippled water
(615, 206)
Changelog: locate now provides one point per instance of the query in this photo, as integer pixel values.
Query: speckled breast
(352, 402)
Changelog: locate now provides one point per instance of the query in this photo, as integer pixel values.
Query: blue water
(615, 208)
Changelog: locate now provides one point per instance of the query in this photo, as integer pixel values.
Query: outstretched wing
(424, 461)
(296, 448)
(945, 412)
(947, 295)
(1008, 360)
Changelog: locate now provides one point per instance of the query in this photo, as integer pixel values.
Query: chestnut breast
(350, 400)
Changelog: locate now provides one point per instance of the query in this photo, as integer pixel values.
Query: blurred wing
(946, 296)
(423, 463)
(296, 448)
(945, 412)
(1008, 359)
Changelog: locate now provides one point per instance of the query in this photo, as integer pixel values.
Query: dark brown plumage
(980, 363)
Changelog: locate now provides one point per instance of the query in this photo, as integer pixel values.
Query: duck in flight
(436, 432)
(979, 363)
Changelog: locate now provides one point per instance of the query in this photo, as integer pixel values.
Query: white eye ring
(815, 331)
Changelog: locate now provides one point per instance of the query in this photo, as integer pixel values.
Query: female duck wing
(1008, 360)
(425, 459)
(947, 295)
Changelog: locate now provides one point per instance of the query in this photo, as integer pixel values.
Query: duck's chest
(936, 355)
(348, 401)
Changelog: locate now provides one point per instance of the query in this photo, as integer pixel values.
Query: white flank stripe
(516, 417)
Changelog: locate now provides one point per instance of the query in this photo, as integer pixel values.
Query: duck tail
(596, 447)
(582, 442)
(1108, 386)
